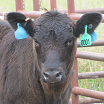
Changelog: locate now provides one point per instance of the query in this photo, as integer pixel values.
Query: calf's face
(54, 35)
(55, 45)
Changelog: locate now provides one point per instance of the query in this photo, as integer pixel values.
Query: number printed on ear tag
(85, 38)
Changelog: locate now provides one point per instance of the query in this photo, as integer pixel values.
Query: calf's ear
(92, 20)
(15, 17)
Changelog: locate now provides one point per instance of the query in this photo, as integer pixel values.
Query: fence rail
(101, 10)
(91, 75)
(88, 93)
(90, 55)
(88, 100)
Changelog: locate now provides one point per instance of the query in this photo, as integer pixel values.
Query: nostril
(46, 75)
(59, 74)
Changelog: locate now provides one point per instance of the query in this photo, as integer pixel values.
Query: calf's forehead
(58, 27)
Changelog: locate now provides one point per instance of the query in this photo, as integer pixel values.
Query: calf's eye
(37, 43)
(69, 42)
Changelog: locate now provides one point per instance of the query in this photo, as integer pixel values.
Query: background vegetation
(83, 65)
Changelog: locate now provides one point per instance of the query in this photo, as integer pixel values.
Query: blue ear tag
(20, 33)
(93, 36)
(85, 39)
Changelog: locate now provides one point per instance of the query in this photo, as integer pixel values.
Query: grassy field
(83, 65)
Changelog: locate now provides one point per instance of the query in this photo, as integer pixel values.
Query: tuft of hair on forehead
(53, 19)
(51, 13)
(54, 13)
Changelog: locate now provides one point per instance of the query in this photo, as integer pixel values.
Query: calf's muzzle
(53, 70)
(52, 76)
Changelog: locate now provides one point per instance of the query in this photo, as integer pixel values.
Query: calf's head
(54, 35)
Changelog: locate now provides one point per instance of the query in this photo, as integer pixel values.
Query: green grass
(83, 65)
(7, 5)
